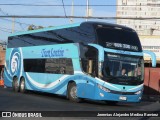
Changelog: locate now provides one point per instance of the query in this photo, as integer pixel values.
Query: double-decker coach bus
(89, 60)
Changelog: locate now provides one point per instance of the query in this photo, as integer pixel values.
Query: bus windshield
(123, 69)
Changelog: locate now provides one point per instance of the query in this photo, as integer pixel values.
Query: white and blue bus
(89, 60)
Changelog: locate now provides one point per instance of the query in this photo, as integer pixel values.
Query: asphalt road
(35, 101)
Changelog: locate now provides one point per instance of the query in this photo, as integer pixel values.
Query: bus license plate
(122, 98)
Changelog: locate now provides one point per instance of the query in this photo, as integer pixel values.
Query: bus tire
(22, 86)
(15, 85)
(72, 92)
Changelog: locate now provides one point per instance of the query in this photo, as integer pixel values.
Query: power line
(4, 13)
(15, 21)
(5, 31)
(12, 21)
(9, 29)
(154, 5)
(51, 16)
(21, 26)
(20, 23)
(64, 8)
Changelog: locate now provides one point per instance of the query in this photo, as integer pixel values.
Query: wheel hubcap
(16, 84)
(22, 85)
(74, 92)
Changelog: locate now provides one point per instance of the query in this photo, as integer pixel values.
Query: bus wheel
(22, 86)
(15, 84)
(72, 92)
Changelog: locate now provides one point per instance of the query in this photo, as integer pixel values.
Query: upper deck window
(118, 38)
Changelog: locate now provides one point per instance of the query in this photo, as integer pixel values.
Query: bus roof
(69, 26)
(105, 34)
(45, 29)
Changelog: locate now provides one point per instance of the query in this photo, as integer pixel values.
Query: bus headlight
(103, 88)
(138, 92)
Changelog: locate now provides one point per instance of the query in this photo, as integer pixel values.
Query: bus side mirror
(152, 55)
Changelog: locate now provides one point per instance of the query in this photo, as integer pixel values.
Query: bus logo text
(52, 53)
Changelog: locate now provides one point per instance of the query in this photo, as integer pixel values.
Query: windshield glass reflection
(123, 67)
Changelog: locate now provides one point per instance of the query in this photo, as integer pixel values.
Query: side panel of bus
(46, 82)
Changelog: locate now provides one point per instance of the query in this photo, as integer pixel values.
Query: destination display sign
(121, 46)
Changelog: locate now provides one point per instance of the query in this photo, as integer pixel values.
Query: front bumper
(117, 96)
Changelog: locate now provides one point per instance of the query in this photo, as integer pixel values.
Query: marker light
(138, 92)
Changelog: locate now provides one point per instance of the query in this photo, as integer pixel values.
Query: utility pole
(72, 12)
(13, 24)
(87, 11)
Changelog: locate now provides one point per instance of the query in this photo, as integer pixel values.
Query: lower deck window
(49, 65)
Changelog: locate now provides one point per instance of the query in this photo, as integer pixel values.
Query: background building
(151, 43)
(140, 9)
(148, 30)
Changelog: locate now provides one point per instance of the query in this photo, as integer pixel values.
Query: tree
(33, 27)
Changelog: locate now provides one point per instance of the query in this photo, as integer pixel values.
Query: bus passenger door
(89, 86)
(89, 63)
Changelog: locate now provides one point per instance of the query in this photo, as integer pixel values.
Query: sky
(6, 23)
